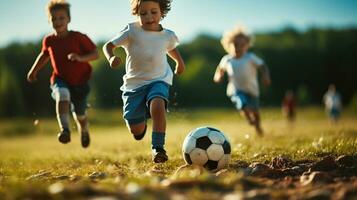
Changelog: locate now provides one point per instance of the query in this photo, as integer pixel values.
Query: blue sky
(26, 20)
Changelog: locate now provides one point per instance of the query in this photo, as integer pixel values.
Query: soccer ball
(207, 147)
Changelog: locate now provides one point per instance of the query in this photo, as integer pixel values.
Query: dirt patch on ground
(331, 177)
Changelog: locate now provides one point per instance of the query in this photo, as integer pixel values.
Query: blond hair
(165, 6)
(228, 38)
(58, 4)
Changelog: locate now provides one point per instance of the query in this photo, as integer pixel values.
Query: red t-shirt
(289, 104)
(72, 72)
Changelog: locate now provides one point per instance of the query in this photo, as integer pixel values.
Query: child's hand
(31, 76)
(218, 75)
(114, 61)
(74, 57)
(217, 79)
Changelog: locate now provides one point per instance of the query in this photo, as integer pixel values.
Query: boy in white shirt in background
(333, 103)
(148, 74)
(242, 67)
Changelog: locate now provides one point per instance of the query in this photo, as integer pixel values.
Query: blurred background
(306, 44)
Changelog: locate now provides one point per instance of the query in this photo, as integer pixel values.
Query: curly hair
(56, 5)
(228, 38)
(165, 6)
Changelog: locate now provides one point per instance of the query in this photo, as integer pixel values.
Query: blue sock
(158, 140)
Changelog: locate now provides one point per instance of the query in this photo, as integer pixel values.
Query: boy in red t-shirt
(69, 52)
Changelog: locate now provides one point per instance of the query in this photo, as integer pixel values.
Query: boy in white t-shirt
(148, 74)
(242, 67)
(333, 103)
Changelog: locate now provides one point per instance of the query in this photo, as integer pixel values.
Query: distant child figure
(333, 103)
(148, 73)
(69, 52)
(242, 67)
(289, 106)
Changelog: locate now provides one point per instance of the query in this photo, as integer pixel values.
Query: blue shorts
(78, 95)
(242, 100)
(136, 102)
(334, 113)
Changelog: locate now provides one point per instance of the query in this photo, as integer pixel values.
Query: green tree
(11, 98)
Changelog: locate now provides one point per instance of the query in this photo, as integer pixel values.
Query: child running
(148, 74)
(333, 103)
(69, 52)
(241, 67)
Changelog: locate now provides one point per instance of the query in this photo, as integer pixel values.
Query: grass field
(34, 165)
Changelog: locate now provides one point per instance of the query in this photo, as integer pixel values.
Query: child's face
(241, 46)
(150, 15)
(59, 19)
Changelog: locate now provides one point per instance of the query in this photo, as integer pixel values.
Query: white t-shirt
(332, 100)
(242, 73)
(146, 59)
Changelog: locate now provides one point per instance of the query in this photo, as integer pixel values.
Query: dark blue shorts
(78, 95)
(334, 113)
(242, 100)
(136, 102)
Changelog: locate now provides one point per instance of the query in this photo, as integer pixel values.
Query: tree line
(305, 62)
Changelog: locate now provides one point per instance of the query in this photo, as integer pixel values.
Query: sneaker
(64, 136)
(159, 155)
(141, 136)
(85, 139)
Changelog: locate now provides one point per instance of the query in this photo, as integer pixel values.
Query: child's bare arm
(113, 60)
(176, 56)
(39, 63)
(218, 75)
(265, 75)
(84, 58)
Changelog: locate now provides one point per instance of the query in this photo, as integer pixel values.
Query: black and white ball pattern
(207, 147)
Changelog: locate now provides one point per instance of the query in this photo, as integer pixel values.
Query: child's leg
(248, 115)
(79, 96)
(157, 102)
(62, 112)
(257, 125)
(137, 129)
(82, 122)
(334, 115)
(252, 112)
(135, 111)
(83, 128)
(157, 111)
(241, 99)
(62, 97)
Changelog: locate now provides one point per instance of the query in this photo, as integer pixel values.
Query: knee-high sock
(158, 140)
